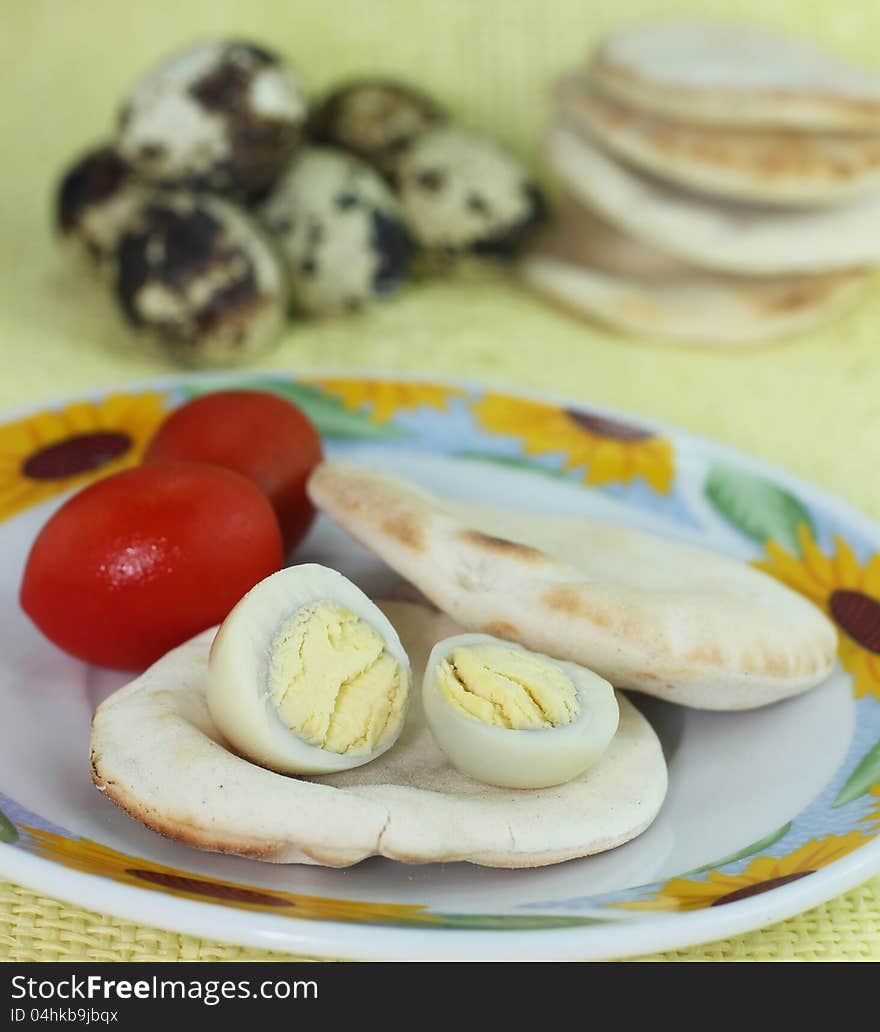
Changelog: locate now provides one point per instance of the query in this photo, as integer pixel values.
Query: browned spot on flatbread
(706, 655)
(795, 298)
(778, 664)
(787, 666)
(502, 629)
(358, 496)
(464, 578)
(764, 662)
(806, 294)
(562, 599)
(405, 530)
(567, 601)
(501, 546)
(645, 677)
(349, 497)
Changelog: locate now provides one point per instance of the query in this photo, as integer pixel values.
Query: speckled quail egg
(339, 228)
(514, 718)
(307, 676)
(197, 274)
(460, 191)
(97, 198)
(376, 119)
(224, 116)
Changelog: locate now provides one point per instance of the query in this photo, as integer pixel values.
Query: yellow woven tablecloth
(812, 405)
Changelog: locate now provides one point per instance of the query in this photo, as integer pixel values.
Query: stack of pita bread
(723, 182)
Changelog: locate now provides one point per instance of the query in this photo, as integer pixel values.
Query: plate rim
(342, 940)
(549, 397)
(349, 941)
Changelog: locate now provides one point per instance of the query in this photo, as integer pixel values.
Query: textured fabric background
(811, 405)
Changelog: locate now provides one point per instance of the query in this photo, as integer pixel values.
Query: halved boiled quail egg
(306, 675)
(514, 718)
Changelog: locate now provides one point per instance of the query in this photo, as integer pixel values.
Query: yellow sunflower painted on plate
(90, 857)
(873, 817)
(762, 875)
(612, 452)
(848, 591)
(51, 452)
(384, 399)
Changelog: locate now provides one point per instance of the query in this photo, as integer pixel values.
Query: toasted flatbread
(725, 74)
(764, 166)
(643, 611)
(156, 754)
(596, 272)
(745, 239)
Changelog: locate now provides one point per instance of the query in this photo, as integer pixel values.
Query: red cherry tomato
(260, 435)
(143, 560)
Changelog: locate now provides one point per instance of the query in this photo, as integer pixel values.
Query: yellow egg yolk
(507, 688)
(332, 681)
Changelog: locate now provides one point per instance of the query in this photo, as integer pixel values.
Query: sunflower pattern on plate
(52, 452)
(609, 450)
(849, 592)
(873, 818)
(385, 399)
(81, 854)
(89, 857)
(761, 875)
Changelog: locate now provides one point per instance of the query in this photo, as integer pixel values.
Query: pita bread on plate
(745, 239)
(156, 753)
(763, 166)
(723, 74)
(642, 611)
(596, 272)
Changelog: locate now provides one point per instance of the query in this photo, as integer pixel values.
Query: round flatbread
(643, 611)
(746, 239)
(789, 167)
(594, 271)
(723, 74)
(156, 753)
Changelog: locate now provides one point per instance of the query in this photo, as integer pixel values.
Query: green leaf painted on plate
(749, 850)
(8, 831)
(863, 778)
(756, 506)
(513, 922)
(511, 462)
(330, 416)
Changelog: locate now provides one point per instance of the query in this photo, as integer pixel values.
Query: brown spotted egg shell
(460, 191)
(197, 275)
(97, 197)
(375, 119)
(224, 116)
(340, 230)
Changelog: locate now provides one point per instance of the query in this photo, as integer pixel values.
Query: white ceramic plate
(769, 812)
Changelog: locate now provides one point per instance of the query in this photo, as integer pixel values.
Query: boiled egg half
(307, 676)
(514, 718)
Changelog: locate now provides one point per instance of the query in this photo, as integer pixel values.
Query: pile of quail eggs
(223, 206)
